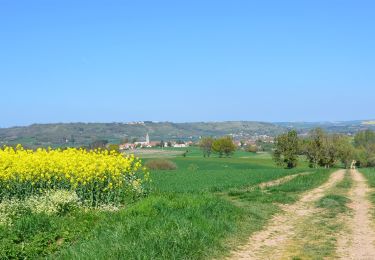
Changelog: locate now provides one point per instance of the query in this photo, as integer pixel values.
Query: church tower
(147, 138)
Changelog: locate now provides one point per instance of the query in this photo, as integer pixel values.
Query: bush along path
(270, 242)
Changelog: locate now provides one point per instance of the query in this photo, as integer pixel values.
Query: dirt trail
(269, 243)
(359, 243)
(280, 180)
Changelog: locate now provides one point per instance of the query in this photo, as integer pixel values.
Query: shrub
(161, 164)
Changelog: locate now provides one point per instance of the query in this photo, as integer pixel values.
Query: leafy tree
(313, 147)
(251, 148)
(325, 150)
(264, 146)
(114, 147)
(364, 138)
(287, 149)
(346, 151)
(330, 154)
(206, 145)
(365, 143)
(223, 146)
(99, 144)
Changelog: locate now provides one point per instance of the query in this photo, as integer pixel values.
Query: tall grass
(179, 226)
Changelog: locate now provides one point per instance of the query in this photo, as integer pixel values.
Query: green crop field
(369, 173)
(198, 211)
(215, 174)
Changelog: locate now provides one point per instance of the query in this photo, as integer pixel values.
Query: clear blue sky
(193, 60)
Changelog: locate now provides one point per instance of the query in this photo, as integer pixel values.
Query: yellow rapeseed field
(97, 176)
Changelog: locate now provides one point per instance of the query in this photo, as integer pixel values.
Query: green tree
(114, 147)
(330, 152)
(264, 146)
(313, 147)
(325, 150)
(251, 148)
(287, 149)
(224, 146)
(365, 145)
(102, 143)
(206, 145)
(346, 151)
(364, 138)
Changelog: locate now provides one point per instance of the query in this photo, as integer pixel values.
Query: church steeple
(147, 138)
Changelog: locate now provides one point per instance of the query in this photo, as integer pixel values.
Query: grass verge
(369, 174)
(175, 226)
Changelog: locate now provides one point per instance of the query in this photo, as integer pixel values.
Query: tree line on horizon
(322, 149)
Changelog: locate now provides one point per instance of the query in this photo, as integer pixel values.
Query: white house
(179, 145)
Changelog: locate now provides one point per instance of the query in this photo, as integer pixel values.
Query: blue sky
(105, 61)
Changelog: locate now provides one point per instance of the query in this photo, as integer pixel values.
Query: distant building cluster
(149, 144)
(136, 123)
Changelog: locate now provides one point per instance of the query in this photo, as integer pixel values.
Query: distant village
(147, 143)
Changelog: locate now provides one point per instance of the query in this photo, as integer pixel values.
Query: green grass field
(198, 211)
(216, 174)
(369, 173)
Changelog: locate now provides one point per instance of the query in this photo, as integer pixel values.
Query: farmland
(205, 208)
(196, 211)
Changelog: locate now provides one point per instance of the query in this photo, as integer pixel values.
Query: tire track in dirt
(281, 180)
(359, 243)
(269, 242)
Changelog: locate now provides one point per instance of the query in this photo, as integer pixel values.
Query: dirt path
(280, 181)
(359, 243)
(268, 243)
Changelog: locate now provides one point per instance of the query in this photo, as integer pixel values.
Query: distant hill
(79, 134)
(344, 127)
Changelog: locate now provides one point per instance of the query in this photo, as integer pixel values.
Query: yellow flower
(71, 168)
